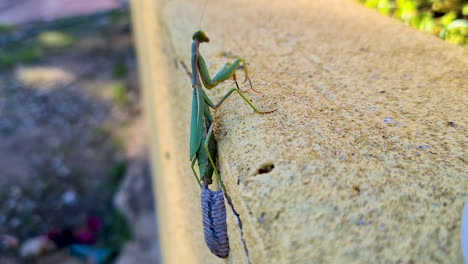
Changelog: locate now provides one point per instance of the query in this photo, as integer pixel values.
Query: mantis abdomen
(214, 222)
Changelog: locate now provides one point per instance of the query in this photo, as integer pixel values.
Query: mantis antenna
(202, 14)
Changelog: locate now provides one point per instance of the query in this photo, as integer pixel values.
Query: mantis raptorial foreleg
(227, 71)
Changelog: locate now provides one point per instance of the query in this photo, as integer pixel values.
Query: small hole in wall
(357, 189)
(265, 168)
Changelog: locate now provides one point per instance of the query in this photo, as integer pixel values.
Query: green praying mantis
(203, 146)
(202, 142)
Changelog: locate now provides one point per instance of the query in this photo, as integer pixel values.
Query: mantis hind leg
(205, 145)
(195, 173)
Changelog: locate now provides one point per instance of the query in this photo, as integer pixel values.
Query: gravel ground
(65, 113)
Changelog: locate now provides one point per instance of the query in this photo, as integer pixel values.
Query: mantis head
(200, 36)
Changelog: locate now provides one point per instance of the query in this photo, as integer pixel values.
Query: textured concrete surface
(365, 159)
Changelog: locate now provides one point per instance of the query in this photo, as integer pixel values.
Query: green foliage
(445, 6)
(448, 18)
(119, 70)
(456, 32)
(423, 22)
(6, 28)
(119, 15)
(118, 92)
(116, 174)
(24, 54)
(30, 54)
(444, 18)
(32, 50)
(383, 6)
(116, 230)
(406, 11)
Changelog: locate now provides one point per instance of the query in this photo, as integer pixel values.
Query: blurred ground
(71, 126)
(22, 11)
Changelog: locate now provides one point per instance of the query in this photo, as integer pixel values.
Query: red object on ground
(87, 234)
(94, 223)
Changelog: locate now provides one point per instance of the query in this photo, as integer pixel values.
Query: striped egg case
(214, 221)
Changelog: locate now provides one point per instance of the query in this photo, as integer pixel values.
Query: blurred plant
(118, 92)
(31, 50)
(445, 6)
(456, 32)
(6, 28)
(21, 55)
(119, 70)
(116, 174)
(383, 6)
(116, 230)
(445, 18)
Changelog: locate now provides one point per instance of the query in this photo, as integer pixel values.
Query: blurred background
(74, 177)
(447, 19)
(74, 181)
